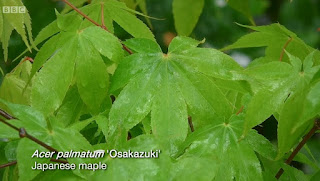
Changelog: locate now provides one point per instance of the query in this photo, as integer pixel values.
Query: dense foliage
(87, 90)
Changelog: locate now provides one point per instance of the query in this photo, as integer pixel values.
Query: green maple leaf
(114, 11)
(270, 79)
(137, 169)
(21, 22)
(168, 84)
(275, 38)
(275, 82)
(221, 153)
(13, 85)
(285, 89)
(299, 111)
(118, 12)
(49, 131)
(77, 53)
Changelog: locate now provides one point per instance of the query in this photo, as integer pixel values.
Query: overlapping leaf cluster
(64, 99)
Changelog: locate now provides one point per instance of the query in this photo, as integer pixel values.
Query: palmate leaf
(14, 21)
(166, 84)
(283, 89)
(277, 87)
(186, 9)
(274, 37)
(220, 153)
(270, 79)
(137, 169)
(76, 53)
(118, 12)
(272, 83)
(114, 11)
(52, 134)
(299, 111)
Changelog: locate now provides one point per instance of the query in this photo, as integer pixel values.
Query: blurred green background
(216, 24)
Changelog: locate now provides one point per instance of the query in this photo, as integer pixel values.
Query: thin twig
(23, 133)
(10, 125)
(190, 123)
(8, 164)
(300, 145)
(102, 17)
(6, 115)
(240, 110)
(284, 48)
(95, 23)
(126, 49)
(80, 12)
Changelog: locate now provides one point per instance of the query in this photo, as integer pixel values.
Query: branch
(23, 133)
(95, 23)
(6, 115)
(300, 145)
(80, 12)
(8, 164)
(102, 17)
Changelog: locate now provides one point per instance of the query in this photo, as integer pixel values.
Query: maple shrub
(88, 90)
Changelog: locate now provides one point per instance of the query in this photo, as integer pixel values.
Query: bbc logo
(14, 9)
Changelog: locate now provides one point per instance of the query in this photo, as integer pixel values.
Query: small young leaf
(276, 38)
